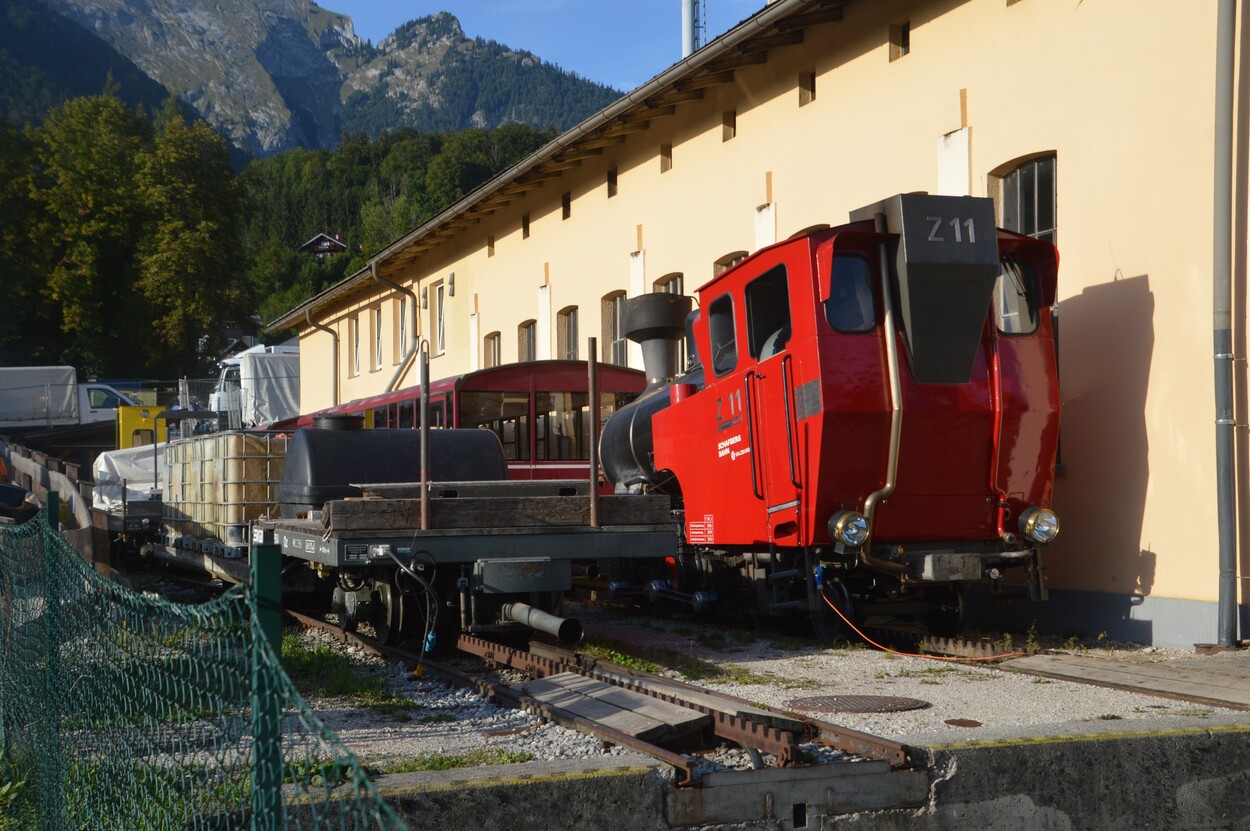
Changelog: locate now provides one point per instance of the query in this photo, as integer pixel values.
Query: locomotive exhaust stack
(657, 323)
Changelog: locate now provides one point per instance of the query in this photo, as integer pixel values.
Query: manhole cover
(856, 704)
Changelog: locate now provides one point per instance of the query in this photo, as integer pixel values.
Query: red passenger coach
(539, 410)
(872, 423)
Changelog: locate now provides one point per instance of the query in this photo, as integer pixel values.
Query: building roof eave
(638, 99)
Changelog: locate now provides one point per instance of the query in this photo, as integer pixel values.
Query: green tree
(191, 267)
(31, 332)
(88, 151)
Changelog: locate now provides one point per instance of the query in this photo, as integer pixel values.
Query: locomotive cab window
(720, 325)
(1015, 299)
(768, 313)
(850, 305)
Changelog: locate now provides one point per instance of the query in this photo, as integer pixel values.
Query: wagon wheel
(827, 624)
(945, 618)
(388, 612)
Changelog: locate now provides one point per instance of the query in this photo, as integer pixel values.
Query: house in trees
(322, 246)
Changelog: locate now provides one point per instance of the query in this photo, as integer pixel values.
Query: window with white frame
(438, 340)
(566, 333)
(376, 318)
(353, 324)
(400, 328)
(615, 347)
(1028, 198)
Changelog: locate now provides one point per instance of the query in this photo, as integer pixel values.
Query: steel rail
(682, 765)
(744, 731)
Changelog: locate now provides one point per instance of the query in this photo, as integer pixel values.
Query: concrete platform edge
(1171, 779)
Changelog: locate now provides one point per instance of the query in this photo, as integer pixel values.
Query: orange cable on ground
(854, 629)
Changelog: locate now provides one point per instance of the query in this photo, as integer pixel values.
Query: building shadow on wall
(1099, 569)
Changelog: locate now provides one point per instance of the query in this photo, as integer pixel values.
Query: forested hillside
(125, 242)
(46, 59)
(429, 76)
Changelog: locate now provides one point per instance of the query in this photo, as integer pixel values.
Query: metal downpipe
(409, 347)
(334, 365)
(896, 409)
(1226, 487)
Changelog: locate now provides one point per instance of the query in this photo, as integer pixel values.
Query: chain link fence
(124, 710)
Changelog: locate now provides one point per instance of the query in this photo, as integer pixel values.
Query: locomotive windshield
(850, 307)
(1015, 298)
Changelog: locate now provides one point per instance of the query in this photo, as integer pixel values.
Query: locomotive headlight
(849, 528)
(1039, 524)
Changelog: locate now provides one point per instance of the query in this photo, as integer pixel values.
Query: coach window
(562, 423)
(850, 306)
(768, 313)
(438, 411)
(407, 410)
(720, 324)
(382, 417)
(506, 414)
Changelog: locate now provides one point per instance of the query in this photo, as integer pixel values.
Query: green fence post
(51, 767)
(266, 575)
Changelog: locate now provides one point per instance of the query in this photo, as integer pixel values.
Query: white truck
(34, 397)
(257, 387)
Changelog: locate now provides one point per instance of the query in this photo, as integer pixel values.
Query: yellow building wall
(1120, 91)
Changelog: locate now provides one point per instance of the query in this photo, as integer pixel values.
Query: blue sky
(622, 43)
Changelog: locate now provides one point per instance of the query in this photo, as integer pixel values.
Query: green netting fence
(120, 710)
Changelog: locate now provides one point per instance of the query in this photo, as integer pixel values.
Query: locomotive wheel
(826, 623)
(388, 612)
(946, 618)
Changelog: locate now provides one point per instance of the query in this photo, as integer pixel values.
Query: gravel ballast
(962, 702)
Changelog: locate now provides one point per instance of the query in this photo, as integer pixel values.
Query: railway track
(722, 718)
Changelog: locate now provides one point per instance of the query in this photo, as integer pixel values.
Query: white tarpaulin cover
(269, 388)
(135, 466)
(35, 394)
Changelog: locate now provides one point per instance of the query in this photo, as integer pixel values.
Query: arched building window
(566, 333)
(526, 341)
(615, 347)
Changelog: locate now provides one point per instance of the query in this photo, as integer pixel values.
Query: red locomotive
(870, 422)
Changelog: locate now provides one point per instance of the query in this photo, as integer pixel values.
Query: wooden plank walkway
(638, 715)
(1207, 681)
(740, 710)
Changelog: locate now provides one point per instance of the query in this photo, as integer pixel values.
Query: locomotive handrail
(755, 488)
(785, 395)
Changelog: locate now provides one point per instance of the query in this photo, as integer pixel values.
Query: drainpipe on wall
(335, 365)
(410, 346)
(1226, 489)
